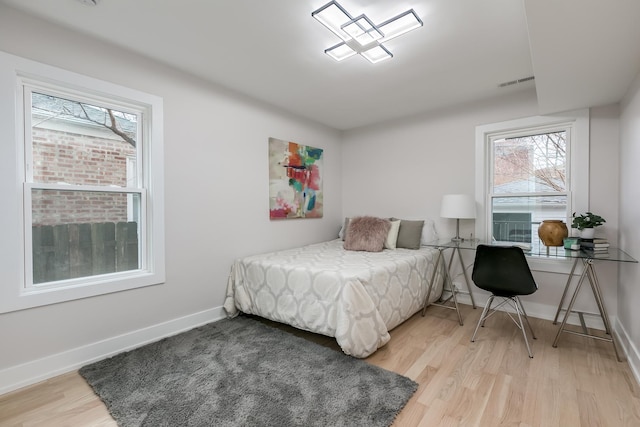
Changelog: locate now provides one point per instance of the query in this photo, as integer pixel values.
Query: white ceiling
(582, 52)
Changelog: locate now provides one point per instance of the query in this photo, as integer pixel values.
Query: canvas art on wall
(295, 180)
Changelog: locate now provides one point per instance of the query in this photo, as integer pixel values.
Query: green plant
(587, 220)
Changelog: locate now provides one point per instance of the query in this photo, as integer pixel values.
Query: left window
(91, 184)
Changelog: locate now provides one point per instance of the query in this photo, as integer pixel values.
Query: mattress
(356, 297)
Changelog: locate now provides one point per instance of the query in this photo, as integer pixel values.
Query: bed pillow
(343, 230)
(410, 234)
(366, 233)
(392, 236)
(429, 233)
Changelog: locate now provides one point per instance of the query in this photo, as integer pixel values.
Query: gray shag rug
(241, 372)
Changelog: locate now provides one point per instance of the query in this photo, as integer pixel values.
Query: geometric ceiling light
(360, 35)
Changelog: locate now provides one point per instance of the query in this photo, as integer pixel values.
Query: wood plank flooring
(491, 382)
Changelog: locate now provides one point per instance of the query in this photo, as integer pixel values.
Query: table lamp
(458, 206)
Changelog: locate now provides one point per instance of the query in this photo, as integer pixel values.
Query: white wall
(403, 168)
(629, 288)
(216, 180)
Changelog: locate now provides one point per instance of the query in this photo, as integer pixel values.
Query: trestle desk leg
(597, 293)
(566, 314)
(433, 278)
(566, 289)
(466, 278)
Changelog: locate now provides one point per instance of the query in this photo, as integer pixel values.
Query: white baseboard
(540, 311)
(630, 350)
(38, 370)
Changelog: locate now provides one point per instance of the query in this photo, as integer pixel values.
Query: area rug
(241, 372)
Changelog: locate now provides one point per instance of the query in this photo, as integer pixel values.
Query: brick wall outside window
(63, 157)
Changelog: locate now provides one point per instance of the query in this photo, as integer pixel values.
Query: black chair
(503, 271)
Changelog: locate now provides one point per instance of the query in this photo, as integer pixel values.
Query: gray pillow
(410, 234)
(367, 233)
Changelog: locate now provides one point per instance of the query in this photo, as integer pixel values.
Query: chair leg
(489, 302)
(482, 317)
(524, 332)
(526, 318)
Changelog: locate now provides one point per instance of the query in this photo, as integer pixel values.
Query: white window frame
(18, 291)
(578, 164)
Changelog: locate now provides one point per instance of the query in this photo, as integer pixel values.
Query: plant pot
(552, 232)
(587, 233)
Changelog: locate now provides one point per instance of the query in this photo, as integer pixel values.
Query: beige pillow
(366, 233)
(392, 237)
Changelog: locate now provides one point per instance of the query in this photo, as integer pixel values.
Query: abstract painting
(295, 180)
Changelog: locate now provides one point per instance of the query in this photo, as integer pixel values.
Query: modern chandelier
(360, 35)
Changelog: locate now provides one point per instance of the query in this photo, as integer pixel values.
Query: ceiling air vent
(515, 82)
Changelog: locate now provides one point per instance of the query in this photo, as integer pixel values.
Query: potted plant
(586, 223)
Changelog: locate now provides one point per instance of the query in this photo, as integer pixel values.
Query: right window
(529, 170)
(529, 182)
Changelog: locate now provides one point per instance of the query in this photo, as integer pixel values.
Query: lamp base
(457, 238)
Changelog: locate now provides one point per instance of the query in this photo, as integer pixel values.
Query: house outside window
(91, 186)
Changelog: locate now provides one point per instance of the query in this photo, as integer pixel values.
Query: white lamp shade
(458, 206)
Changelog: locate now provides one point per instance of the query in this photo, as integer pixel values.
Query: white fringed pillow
(366, 233)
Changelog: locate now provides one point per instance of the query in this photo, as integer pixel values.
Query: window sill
(19, 299)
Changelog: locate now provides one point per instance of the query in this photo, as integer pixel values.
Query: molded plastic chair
(503, 271)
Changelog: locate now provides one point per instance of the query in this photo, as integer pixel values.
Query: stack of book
(597, 244)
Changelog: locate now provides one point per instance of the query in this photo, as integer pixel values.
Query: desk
(587, 258)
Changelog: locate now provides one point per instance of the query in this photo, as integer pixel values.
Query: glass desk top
(559, 252)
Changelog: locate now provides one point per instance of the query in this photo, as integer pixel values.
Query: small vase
(587, 233)
(552, 232)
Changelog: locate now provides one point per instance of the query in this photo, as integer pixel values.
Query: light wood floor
(491, 382)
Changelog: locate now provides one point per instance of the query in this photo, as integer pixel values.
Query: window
(528, 182)
(83, 200)
(91, 190)
(530, 170)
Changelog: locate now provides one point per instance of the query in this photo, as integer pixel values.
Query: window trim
(578, 121)
(14, 294)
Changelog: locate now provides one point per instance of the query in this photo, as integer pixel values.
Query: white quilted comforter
(356, 297)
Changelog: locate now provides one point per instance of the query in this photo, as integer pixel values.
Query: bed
(355, 296)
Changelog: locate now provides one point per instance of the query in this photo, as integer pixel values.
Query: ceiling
(582, 52)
